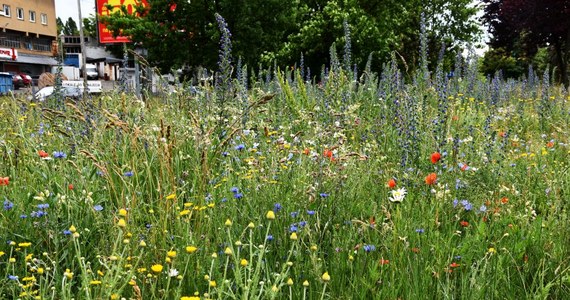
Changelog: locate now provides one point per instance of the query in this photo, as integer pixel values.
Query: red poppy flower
(435, 157)
(416, 250)
(306, 151)
(431, 179)
(328, 153)
(383, 261)
(43, 154)
(70, 186)
(504, 200)
(391, 183)
(4, 181)
(464, 223)
(454, 265)
(550, 144)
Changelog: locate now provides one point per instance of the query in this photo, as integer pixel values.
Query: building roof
(35, 60)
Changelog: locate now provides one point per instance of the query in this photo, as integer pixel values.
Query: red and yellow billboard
(105, 36)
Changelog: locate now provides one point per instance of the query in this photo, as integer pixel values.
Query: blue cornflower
(43, 206)
(483, 208)
(23, 216)
(98, 207)
(420, 230)
(225, 153)
(8, 205)
(128, 174)
(66, 232)
(59, 154)
(269, 238)
(238, 195)
(277, 207)
(466, 205)
(294, 214)
(224, 199)
(455, 202)
(239, 147)
(323, 195)
(40, 213)
(12, 277)
(369, 248)
(234, 190)
(302, 223)
(310, 212)
(293, 228)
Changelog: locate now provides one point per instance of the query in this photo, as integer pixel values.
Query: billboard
(105, 36)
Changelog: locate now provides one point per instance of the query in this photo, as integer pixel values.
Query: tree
(181, 32)
(60, 25)
(90, 26)
(70, 27)
(531, 25)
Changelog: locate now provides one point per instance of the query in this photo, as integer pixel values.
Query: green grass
(163, 173)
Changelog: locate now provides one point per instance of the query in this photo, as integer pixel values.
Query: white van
(91, 71)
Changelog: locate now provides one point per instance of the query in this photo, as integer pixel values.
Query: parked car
(17, 81)
(67, 91)
(26, 79)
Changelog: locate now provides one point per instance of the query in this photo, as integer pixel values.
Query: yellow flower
(306, 283)
(243, 262)
(228, 223)
(114, 297)
(289, 281)
(184, 213)
(95, 282)
(314, 248)
(12, 260)
(24, 245)
(171, 254)
(171, 196)
(492, 250)
(326, 277)
(121, 223)
(293, 236)
(122, 212)
(132, 282)
(212, 283)
(228, 251)
(72, 228)
(191, 249)
(250, 225)
(2, 253)
(40, 271)
(270, 215)
(142, 243)
(68, 274)
(190, 298)
(156, 268)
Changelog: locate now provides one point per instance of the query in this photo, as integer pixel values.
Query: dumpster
(5, 83)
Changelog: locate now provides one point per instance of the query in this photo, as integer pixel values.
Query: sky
(68, 8)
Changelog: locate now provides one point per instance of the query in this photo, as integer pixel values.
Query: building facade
(28, 36)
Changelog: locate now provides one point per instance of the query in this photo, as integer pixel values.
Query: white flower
(398, 195)
(172, 272)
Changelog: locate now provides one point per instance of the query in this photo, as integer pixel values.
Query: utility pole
(83, 51)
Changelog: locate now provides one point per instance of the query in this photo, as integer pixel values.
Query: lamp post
(83, 52)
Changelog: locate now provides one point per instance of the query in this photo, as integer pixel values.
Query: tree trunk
(561, 49)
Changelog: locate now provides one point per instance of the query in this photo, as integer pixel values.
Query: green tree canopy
(180, 32)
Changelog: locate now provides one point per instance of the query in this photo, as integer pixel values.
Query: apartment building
(28, 36)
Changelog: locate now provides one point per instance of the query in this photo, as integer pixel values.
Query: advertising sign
(106, 36)
(8, 53)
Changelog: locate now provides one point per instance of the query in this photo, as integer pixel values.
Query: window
(44, 19)
(6, 10)
(32, 16)
(20, 13)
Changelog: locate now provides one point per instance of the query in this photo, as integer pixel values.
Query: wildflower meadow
(271, 184)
